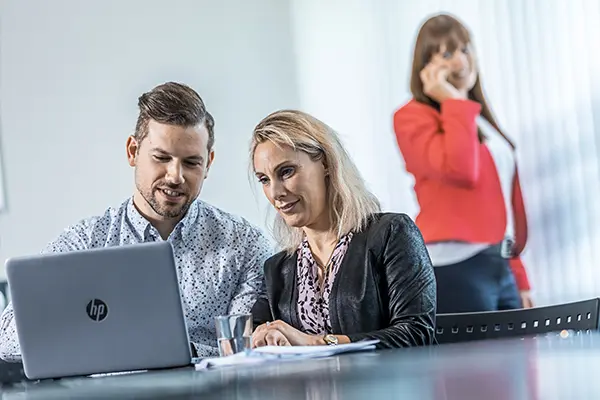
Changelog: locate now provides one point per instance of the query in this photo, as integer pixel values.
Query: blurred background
(71, 72)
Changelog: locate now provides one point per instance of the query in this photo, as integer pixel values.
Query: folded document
(262, 354)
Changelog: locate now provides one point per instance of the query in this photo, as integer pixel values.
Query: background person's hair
(349, 200)
(444, 29)
(174, 104)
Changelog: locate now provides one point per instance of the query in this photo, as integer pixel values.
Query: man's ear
(211, 158)
(132, 148)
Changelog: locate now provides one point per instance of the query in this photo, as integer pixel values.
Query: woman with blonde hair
(346, 272)
(472, 213)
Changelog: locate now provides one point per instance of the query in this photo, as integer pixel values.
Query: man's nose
(175, 174)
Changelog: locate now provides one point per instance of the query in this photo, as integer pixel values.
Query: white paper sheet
(270, 353)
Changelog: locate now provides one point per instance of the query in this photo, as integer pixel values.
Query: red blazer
(456, 182)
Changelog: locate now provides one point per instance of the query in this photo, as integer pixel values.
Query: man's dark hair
(175, 104)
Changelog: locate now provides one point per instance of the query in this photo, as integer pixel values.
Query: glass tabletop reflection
(544, 367)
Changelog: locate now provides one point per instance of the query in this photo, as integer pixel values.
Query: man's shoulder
(78, 235)
(110, 216)
(226, 221)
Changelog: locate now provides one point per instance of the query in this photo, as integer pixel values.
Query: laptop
(98, 311)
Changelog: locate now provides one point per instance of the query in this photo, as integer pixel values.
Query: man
(219, 257)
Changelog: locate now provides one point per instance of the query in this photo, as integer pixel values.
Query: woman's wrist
(318, 340)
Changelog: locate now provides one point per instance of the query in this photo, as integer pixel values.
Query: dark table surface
(545, 367)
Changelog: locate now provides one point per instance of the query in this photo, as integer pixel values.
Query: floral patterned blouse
(313, 301)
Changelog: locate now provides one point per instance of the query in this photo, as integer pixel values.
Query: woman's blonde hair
(350, 202)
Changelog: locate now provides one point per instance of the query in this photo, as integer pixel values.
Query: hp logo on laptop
(97, 310)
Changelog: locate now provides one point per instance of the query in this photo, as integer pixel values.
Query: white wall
(539, 61)
(342, 56)
(70, 75)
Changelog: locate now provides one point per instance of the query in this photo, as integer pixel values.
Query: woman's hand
(294, 336)
(276, 332)
(435, 83)
(526, 299)
(263, 336)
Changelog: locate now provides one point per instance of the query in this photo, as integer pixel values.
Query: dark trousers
(483, 282)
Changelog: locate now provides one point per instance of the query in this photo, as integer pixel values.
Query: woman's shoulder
(389, 225)
(276, 260)
(390, 234)
(417, 109)
(389, 220)
(413, 106)
(412, 117)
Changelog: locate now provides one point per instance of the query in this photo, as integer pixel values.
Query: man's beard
(160, 209)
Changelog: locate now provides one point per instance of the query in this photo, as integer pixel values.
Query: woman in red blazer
(466, 181)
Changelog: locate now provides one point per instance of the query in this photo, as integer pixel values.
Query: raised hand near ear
(435, 83)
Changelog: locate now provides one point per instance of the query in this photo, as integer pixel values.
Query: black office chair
(4, 295)
(11, 372)
(581, 316)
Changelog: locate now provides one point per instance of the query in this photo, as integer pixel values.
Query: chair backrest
(578, 316)
(11, 372)
(4, 295)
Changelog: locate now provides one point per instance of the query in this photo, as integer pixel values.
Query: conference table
(543, 367)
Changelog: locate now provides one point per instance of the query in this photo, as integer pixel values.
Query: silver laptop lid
(101, 310)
